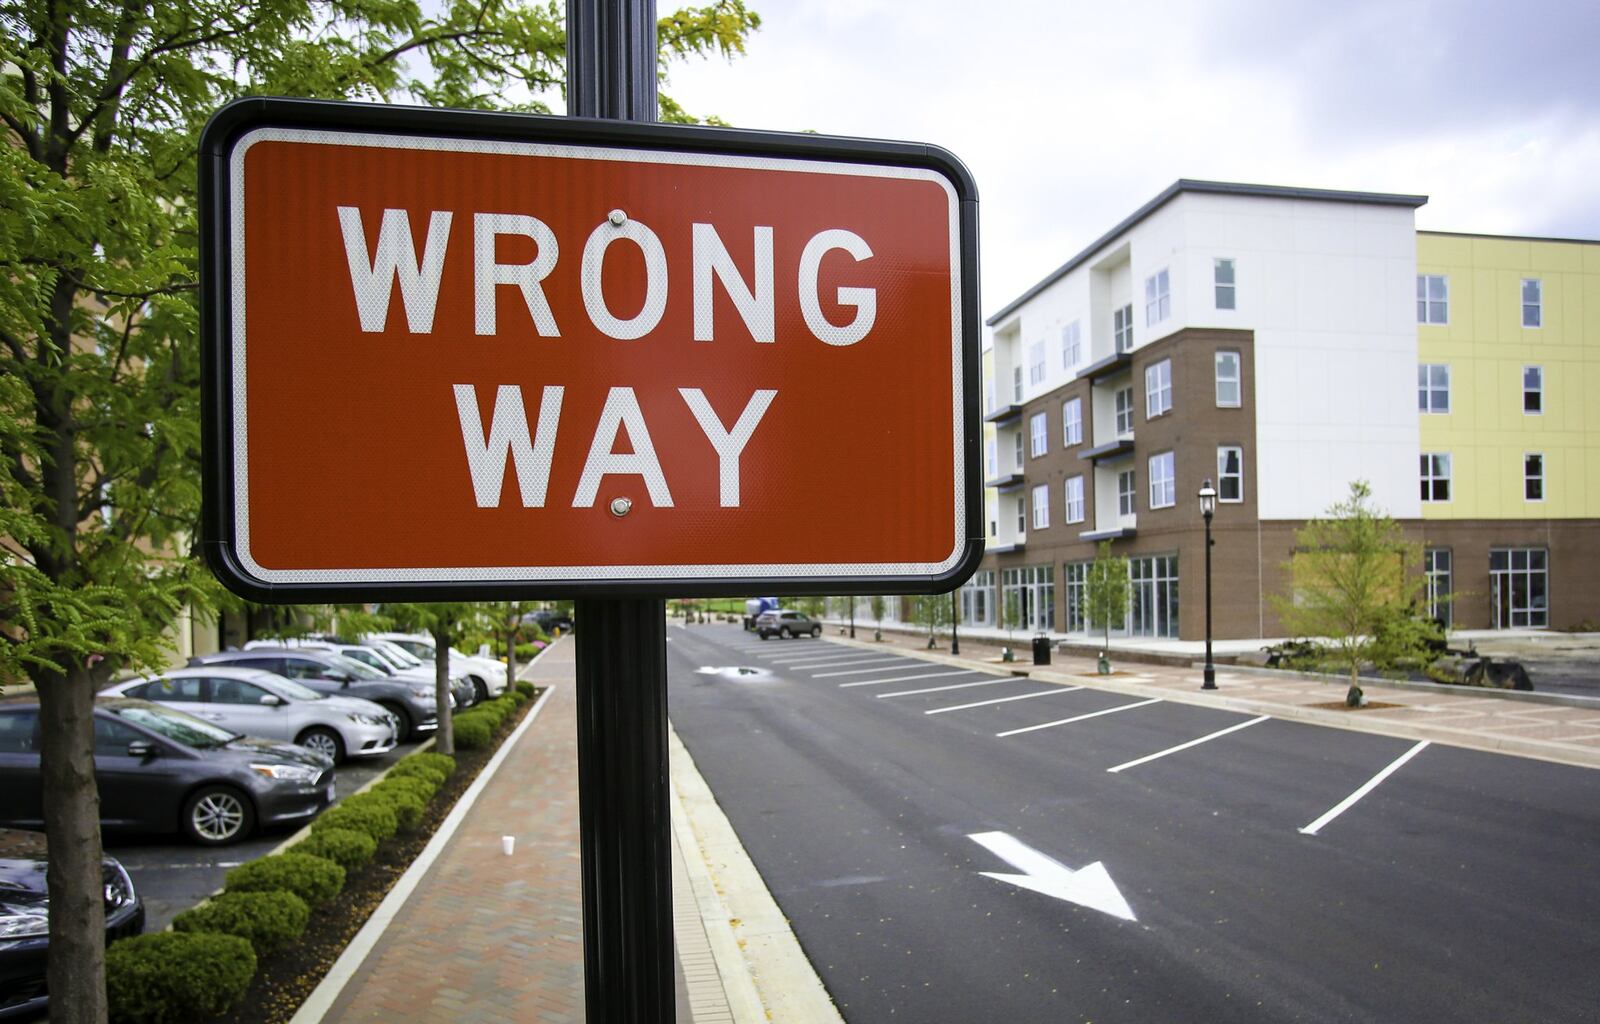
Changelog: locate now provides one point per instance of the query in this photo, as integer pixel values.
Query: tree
(1107, 590)
(1348, 583)
(1010, 613)
(878, 604)
(102, 102)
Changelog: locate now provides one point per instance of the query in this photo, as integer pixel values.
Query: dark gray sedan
(160, 770)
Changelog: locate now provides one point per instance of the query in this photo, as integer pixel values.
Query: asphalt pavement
(958, 844)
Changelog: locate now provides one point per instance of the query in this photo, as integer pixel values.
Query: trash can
(1041, 650)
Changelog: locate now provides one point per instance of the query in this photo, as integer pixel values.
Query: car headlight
(290, 772)
(421, 692)
(23, 921)
(366, 719)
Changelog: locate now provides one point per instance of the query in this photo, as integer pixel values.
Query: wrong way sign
(454, 354)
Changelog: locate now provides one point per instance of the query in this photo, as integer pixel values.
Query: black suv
(550, 621)
(410, 700)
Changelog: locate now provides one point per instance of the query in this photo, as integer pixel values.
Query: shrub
(409, 769)
(408, 805)
(438, 762)
(175, 977)
(526, 688)
(423, 787)
(313, 879)
(346, 847)
(517, 697)
(268, 920)
(472, 732)
(376, 821)
(493, 710)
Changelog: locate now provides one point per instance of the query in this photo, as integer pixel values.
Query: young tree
(1349, 583)
(101, 103)
(1010, 613)
(878, 604)
(1107, 591)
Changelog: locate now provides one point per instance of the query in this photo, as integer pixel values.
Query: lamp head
(1208, 499)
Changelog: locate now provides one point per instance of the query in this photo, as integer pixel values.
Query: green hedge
(176, 977)
(423, 787)
(526, 688)
(268, 920)
(438, 762)
(376, 821)
(406, 769)
(313, 879)
(472, 732)
(346, 847)
(408, 805)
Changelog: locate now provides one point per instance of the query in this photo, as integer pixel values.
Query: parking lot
(953, 843)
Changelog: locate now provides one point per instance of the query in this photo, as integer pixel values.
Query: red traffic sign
(458, 354)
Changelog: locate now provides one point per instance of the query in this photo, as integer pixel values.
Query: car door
(134, 791)
(181, 694)
(235, 704)
(21, 800)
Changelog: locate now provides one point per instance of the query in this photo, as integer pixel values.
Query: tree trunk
(511, 660)
(1352, 696)
(75, 971)
(444, 740)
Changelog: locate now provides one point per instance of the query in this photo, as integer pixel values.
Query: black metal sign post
(624, 823)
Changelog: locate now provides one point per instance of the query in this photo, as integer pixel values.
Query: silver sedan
(257, 703)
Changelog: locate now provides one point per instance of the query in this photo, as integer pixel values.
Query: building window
(1124, 412)
(1016, 383)
(1436, 570)
(1230, 473)
(1072, 422)
(1533, 389)
(1126, 485)
(1532, 302)
(1017, 437)
(1158, 389)
(1533, 476)
(1433, 387)
(1163, 489)
(989, 393)
(1157, 297)
(1435, 476)
(977, 600)
(1022, 516)
(1222, 275)
(1228, 390)
(1519, 587)
(1041, 507)
(1074, 499)
(991, 459)
(1071, 346)
(1038, 434)
(1122, 328)
(1076, 575)
(1433, 299)
(1153, 596)
(1036, 363)
(1030, 596)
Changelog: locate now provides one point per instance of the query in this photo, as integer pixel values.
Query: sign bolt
(617, 218)
(621, 506)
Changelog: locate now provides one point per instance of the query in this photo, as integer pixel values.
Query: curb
(1570, 700)
(316, 1005)
(1541, 750)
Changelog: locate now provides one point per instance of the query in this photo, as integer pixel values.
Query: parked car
(380, 661)
(25, 923)
(410, 700)
(787, 624)
(550, 621)
(487, 676)
(258, 703)
(160, 770)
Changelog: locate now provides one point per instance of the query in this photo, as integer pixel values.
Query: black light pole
(955, 620)
(852, 601)
(1208, 508)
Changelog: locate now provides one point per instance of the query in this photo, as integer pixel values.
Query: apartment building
(1283, 342)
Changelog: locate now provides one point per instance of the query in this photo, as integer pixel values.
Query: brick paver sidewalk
(485, 937)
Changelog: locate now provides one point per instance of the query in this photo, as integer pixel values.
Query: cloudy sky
(1071, 114)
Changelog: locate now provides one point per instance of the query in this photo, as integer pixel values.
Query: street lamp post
(1208, 508)
(955, 621)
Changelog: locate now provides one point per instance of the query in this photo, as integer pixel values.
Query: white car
(253, 702)
(488, 676)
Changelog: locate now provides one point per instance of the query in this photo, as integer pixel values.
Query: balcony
(1005, 415)
(1007, 481)
(1114, 363)
(1118, 532)
(1111, 450)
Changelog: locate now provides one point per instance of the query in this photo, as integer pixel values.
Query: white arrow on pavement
(1089, 886)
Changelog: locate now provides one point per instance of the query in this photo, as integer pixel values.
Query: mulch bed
(1339, 705)
(284, 979)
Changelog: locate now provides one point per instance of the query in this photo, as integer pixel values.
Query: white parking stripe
(1185, 746)
(1079, 718)
(1002, 700)
(866, 671)
(828, 662)
(1372, 783)
(907, 679)
(940, 689)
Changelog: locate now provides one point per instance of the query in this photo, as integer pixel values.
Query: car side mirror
(271, 700)
(142, 749)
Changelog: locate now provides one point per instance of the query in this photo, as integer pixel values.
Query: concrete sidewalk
(472, 936)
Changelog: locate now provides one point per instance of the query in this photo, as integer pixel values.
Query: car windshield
(295, 691)
(400, 654)
(175, 725)
(357, 669)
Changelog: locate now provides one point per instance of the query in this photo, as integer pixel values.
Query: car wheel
(323, 741)
(784, 633)
(816, 631)
(405, 731)
(217, 815)
(480, 690)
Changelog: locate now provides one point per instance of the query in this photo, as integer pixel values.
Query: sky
(1072, 115)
